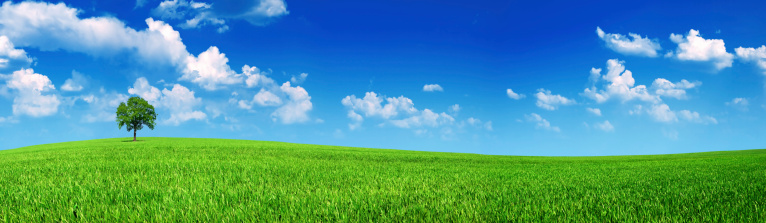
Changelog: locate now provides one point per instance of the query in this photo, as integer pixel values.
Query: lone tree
(135, 115)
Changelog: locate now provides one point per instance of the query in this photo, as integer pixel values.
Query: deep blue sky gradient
(474, 50)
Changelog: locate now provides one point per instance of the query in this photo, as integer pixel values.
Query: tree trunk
(134, 135)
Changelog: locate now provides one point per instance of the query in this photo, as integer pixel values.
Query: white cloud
(663, 87)
(199, 14)
(639, 46)
(541, 123)
(210, 70)
(594, 111)
(178, 118)
(479, 124)
(595, 75)
(432, 88)
(31, 24)
(12, 58)
(299, 79)
(620, 84)
(199, 11)
(696, 117)
(757, 55)
(662, 113)
(30, 96)
(356, 120)
(244, 104)
(514, 95)
(179, 101)
(425, 118)
(9, 119)
(102, 107)
(143, 89)
(548, 101)
(637, 110)
(454, 109)
(256, 78)
(695, 48)
(266, 98)
(604, 126)
(76, 83)
(371, 105)
(739, 103)
(296, 108)
(401, 112)
(295, 101)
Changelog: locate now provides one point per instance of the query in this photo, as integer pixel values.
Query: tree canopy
(136, 114)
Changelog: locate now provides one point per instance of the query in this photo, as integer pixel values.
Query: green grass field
(179, 179)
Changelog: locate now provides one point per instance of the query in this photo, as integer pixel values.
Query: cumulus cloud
(477, 123)
(372, 105)
(426, 117)
(605, 126)
(295, 101)
(198, 11)
(30, 24)
(738, 103)
(432, 88)
(753, 55)
(12, 58)
(454, 109)
(662, 113)
(356, 120)
(663, 87)
(9, 119)
(696, 117)
(255, 77)
(633, 45)
(143, 89)
(266, 98)
(514, 95)
(102, 107)
(199, 14)
(296, 108)
(299, 79)
(179, 101)
(76, 83)
(594, 111)
(210, 69)
(541, 123)
(548, 101)
(621, 85)
(693, 47)
(401, 112)
(31, 93)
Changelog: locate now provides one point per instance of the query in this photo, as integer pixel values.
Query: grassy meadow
(182, 179)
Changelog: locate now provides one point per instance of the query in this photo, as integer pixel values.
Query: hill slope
(164, 179)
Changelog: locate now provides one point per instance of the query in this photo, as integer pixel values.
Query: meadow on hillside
(183, 179)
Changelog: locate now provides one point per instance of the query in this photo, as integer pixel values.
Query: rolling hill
(186, 179)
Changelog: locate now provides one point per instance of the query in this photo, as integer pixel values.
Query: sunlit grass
(178, 179)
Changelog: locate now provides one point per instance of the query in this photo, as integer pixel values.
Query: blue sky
(492, 77)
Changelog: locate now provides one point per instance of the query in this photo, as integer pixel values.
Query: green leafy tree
(135, 114)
